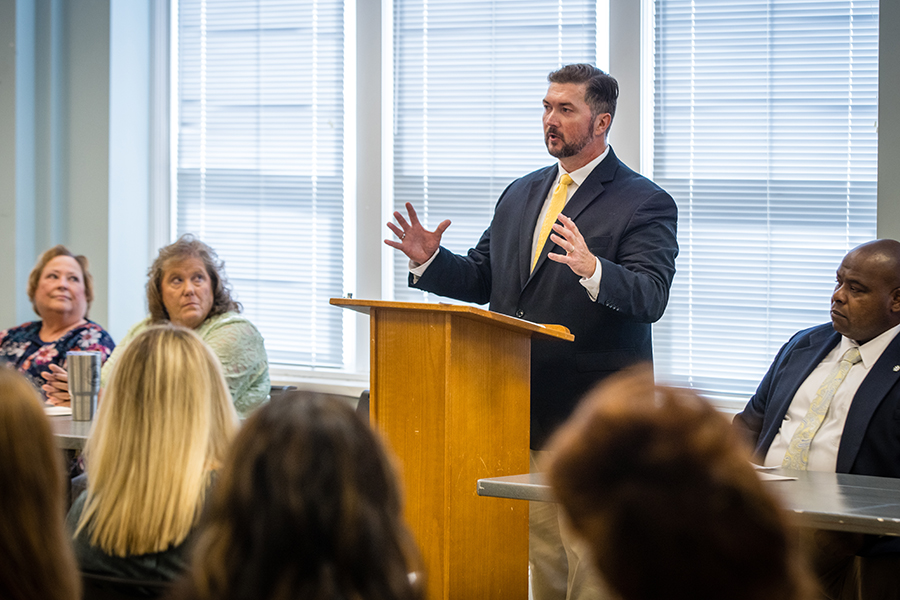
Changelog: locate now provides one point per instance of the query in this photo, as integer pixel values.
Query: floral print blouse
(22, 348)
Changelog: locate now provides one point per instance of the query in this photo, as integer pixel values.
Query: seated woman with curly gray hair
(661, 488)
(187, 286)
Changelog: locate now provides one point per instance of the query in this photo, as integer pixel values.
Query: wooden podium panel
(450, 392)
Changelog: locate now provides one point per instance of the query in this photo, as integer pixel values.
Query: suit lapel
(592, 187)
(794, 371)
(589, 190)
(537, 193)
(869, 396)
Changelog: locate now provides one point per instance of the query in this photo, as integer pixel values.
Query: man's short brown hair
(602, 90)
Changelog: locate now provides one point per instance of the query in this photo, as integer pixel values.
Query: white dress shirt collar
(579, 175)
(871, 350)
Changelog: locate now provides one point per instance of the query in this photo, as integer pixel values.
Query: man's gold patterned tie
(557, 202)
(797, 455)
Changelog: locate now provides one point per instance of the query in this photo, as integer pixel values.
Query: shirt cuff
(592, 283)
(418, 271)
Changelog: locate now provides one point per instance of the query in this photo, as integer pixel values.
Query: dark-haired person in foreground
(603, 270)
(661, 488)
(830, 402)
(36, 558)
(307, 506)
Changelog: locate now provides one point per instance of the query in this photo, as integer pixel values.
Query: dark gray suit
(629, 223)
(870, 442)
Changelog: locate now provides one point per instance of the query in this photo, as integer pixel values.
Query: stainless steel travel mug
(84, 383)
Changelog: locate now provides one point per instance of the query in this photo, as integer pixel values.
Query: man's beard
(568, 148)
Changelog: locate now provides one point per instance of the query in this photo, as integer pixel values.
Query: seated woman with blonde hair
(36, 559)
(160, 434)
(661, 488)
(307, 506)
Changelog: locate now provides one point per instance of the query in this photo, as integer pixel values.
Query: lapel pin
(896, 368)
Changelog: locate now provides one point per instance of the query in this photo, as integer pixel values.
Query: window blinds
(469, 77)
(259, 161)
(765, 135)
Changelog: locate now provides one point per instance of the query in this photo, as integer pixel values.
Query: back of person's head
(307, 506)
(163, 425)
(661, 488)
(36, 558)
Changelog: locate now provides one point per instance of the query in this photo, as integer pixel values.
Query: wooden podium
(449, 389)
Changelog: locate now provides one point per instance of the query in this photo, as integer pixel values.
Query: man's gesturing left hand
(577, 255)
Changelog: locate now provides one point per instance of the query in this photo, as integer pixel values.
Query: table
(69, 434)
(822, 500)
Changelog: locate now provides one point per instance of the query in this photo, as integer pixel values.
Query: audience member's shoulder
(817, 331)
(75, 510)
(138, 327)
(30, 325)
(230, 330)
(227, 320)
(93, 326)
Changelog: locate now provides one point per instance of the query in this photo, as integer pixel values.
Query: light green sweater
(240, 349)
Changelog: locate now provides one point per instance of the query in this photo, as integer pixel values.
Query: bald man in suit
(858, 427)
(586, 243)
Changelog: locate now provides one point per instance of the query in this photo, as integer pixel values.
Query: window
(469, 77)
(765, 135)
(259, 171)
(763, 130)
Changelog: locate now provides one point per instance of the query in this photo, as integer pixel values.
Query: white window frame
(372, 276)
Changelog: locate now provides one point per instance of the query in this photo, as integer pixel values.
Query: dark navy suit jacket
(629, 223)
(870, 442)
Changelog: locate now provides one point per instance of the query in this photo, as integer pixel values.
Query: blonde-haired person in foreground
(661, 488)
(161, 431)
(36, 560)
(307, 506)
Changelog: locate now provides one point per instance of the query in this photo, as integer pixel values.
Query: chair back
(109, 587)
(362, 407)
(276, 391)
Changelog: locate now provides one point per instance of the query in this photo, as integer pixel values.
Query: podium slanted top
(480, 314)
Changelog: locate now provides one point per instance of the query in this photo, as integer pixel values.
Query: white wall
(17, 211)
(74, 148)
(625, 66)
(128, 173)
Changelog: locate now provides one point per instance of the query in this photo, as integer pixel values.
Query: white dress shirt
(823, 449)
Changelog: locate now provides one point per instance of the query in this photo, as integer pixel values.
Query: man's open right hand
(415, 241)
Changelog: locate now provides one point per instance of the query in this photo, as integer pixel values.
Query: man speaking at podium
(586, 243)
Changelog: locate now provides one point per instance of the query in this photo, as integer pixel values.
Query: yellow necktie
(797, 455)
(557, 202)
